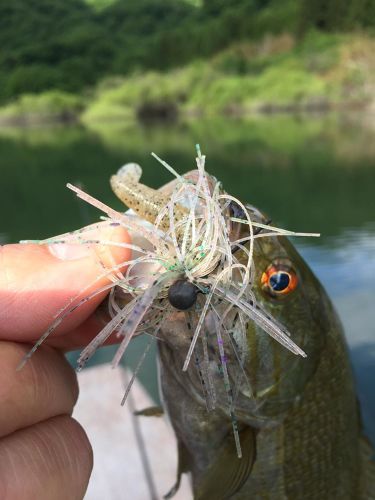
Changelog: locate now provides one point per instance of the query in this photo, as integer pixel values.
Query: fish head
(288, 292)
(241, 316)
(265, 378)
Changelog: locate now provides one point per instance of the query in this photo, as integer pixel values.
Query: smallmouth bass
(300, 428)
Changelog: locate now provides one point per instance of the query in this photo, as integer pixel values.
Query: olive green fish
(254, 369)
(298, 418)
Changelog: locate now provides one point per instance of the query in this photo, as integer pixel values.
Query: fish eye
(279, 280)
(182, 294)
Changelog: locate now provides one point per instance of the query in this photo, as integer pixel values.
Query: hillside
(275, 74)
(71, 45)
(129, 59)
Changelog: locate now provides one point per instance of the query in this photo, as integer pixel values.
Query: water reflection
(363, 359)
(345, 263)
(314, 174)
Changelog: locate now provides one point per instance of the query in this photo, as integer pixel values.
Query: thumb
(37, 281)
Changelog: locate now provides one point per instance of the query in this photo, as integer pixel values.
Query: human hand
(44, 452)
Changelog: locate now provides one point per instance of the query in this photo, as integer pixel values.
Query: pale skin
(44, 452)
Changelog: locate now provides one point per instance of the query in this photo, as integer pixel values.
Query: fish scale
(315, 451)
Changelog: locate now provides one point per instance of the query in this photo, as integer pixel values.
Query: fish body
(302, 412)
(252, 419)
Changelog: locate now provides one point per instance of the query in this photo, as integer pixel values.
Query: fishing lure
(184, 267)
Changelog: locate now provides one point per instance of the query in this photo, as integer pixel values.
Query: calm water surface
(309, 174)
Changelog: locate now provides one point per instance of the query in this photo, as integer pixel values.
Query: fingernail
(70, 251)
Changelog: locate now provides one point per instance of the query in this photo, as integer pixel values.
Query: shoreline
(308, 109)
(275, 75)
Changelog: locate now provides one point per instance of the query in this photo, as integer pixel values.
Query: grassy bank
(276, 74)
(323, 72)
(47, 107)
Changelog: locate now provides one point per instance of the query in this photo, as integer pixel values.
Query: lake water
(310, 174)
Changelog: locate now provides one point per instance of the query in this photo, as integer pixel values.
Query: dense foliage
(70, 45)
(333, 15)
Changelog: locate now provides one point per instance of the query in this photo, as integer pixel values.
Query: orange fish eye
(279, 280)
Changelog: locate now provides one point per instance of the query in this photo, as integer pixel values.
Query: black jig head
(182, 294)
